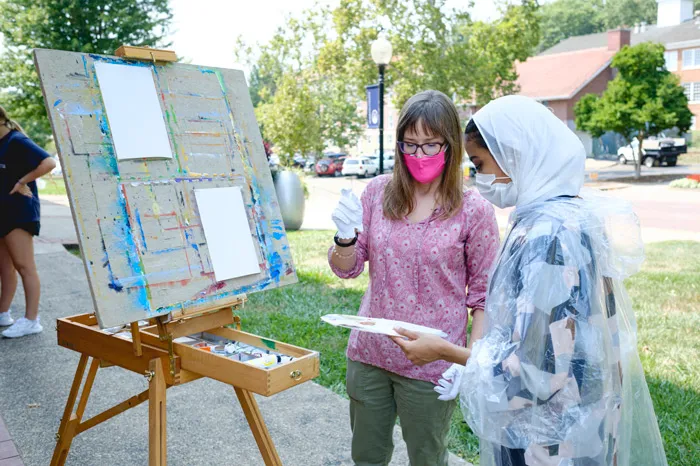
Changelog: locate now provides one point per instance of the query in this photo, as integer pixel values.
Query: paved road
(665, 213)
(610, 170)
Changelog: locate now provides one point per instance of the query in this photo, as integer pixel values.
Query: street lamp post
(381, 54)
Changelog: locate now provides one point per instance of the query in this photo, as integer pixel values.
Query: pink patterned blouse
(419, 273)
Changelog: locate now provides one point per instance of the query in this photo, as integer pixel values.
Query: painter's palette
(143, 245)
(375, 325)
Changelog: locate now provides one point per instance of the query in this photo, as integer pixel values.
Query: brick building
(580, 65)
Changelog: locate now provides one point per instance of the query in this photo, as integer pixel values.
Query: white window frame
(688, 90)
(692, 92)
(693, 61)
(671, 60)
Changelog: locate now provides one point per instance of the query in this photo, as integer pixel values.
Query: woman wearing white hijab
(556, 378)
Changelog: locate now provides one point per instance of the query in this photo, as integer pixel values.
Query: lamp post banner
(372, 106)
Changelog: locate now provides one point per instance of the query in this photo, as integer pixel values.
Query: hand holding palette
(373, 325)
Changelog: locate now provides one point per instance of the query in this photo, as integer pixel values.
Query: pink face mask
(425, 169)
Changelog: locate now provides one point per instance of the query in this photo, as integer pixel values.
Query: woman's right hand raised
(347, 216)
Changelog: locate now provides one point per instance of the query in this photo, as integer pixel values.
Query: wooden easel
(153, 352)
(165, 364)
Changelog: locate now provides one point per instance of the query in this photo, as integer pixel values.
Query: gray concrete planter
(290, 195)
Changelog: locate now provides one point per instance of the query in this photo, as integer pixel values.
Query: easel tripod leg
(70, 421)
(258, 427)
(157, 447)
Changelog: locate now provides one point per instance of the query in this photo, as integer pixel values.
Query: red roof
(560, 76)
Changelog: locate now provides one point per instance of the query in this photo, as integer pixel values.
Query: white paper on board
(133, 111)
(226, 229)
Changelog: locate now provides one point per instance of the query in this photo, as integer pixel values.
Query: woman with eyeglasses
(426, 240)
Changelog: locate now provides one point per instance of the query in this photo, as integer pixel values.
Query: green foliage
(627, 13)
(493, 50)
(89, 26)
(685, 183)
(567, 18)
(562, 19)
(643, 100)
(290, 119)
(319, 97)
(433, 48)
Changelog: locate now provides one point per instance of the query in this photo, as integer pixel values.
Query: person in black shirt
(21, 163)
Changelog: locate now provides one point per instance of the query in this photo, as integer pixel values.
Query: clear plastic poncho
(556, 378)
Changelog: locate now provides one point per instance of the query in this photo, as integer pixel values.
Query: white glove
(450, 382)
(347, 216)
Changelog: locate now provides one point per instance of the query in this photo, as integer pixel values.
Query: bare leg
(20, 244)
(8, 278)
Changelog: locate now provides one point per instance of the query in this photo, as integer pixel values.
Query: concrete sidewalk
(309, 424)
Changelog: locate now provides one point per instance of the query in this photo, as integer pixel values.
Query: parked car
(388, 160)
(468, 168)
(309, 164)
(360, 166)
(656, 150)
(330, 165)
(298, 161)
(274, 163)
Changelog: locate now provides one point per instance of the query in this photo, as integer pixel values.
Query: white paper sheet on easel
(227, 232)
(133, 111)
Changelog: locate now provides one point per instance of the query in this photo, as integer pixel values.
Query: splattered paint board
(143, 245)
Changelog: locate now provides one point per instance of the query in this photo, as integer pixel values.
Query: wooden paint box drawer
(81, 333)
(304, 366)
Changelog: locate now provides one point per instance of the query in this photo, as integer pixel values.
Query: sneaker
(23, 327)
(6, 319)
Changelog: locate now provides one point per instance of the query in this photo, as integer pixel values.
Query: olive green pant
(376, 398)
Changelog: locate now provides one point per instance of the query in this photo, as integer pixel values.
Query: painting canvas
(227, 232)
(142, 240)
(134, 115)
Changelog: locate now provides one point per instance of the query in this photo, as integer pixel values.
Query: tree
(283, 60)
(434, 48)
(643, 100)
(627, 13)
(567, 18)
(495, 47)
(562, 19)
(291, 120)
(89, 26)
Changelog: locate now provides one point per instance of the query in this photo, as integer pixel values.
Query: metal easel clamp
(236, 307)
(166, 336)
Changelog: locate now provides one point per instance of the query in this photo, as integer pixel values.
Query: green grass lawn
(666, 297)
(692, 157)
(54, 186)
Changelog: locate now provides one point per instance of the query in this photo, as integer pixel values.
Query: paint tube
(264, 362)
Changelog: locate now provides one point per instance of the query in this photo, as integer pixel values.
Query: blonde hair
(7, 121)
(438, 116)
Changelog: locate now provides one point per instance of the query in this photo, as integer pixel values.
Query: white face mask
(501, 195)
